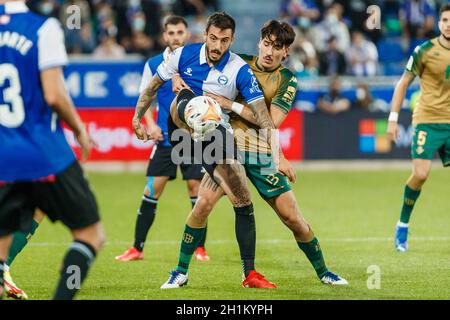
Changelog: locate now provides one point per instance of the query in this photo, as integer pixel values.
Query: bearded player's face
(444, 25)
(218, 42)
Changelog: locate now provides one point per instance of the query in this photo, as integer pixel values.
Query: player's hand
(286, 169)
(393, 131)
(156, 133)
(178, 84)
(139, 130)
(224, 102)
(85, 142)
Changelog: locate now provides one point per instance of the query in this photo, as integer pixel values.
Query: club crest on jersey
(223, 80)
(188, 72)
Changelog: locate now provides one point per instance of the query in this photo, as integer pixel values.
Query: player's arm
(145, 99)
(165, 71)
(414, 68)
(397, 101)
(155, 131)
(52, 56)
(57, 97)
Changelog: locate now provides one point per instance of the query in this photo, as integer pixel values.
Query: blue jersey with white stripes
(32, 142)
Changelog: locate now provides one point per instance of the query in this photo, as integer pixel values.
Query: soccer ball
(202, 114)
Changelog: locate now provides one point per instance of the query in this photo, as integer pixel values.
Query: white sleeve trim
(51, 48)
(168, 68)
(146, 77)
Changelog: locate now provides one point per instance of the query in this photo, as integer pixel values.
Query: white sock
(402, 224)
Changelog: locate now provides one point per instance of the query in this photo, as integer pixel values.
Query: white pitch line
(266, 241)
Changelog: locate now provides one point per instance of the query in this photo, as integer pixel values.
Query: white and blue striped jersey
(32, 142)
(231, 76)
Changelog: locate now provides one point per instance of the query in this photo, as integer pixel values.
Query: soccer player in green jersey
(431, 119)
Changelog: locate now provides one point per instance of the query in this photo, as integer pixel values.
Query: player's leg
(209, 193)
(426, 141)
(5, 243)
(20, 239)
(69, 199)
(286, 207)
(193, 174)
(16, 215)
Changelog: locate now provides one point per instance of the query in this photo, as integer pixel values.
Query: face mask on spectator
(46, 8)
(139, 24)
(332, 18)
(134, 3)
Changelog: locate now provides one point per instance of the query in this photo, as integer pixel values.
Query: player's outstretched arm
(58, 99)
(397, 101)
(145, 99)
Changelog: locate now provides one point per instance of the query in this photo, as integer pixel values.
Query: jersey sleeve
(415, 63)
(285, 95)
(248, 85)
(51, 47)
(146, 77)
(168, 68)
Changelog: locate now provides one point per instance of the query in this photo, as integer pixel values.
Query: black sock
(144, 221)
(246, 236)
(184, 96)
(76, 265)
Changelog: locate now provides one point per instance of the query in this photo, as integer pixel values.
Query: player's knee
(421, 174)
(193, 186)
(150, 190)
(203, 208)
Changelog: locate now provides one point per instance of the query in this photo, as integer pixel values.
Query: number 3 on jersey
(12, 114)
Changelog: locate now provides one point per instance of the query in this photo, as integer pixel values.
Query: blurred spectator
(332, 62)
(417, 18)
(333, 102)
(332, 25)
(301, 13)
(187, 8)
(139, 23)
(364, 100)
(78, 39)
(362, 57)
(108, 47)
(46, 7)
(197, 29)
(138, 41)
(302, 56)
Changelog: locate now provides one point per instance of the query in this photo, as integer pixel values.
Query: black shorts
(211, 142)
(67, 197)
(161, 165)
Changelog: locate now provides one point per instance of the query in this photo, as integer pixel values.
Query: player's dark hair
(221, 20)
(445, 7)
(282, 31)
(174, 20)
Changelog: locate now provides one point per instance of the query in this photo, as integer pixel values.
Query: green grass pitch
(353, 213)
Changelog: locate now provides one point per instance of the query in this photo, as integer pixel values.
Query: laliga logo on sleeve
(223, 80)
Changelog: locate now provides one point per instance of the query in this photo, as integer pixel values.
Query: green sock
(409, 200)
(314, 254)
(191, 238)
(19, 242)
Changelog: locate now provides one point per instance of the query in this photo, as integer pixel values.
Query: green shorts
(261, 172)
(429, 138)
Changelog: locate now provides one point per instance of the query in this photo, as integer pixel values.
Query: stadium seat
(390, 50)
